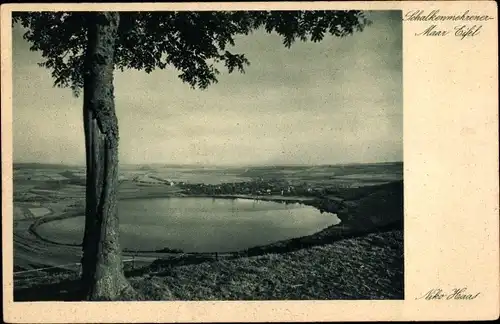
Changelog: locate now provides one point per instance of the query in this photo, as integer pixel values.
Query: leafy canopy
(192, 42)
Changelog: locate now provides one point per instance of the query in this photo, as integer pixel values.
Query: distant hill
(154, 166)
(33, 165)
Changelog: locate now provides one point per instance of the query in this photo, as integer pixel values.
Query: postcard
(250, 162)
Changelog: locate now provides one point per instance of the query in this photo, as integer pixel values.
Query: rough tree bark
(102, 267)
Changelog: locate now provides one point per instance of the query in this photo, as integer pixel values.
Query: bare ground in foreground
(366, 267)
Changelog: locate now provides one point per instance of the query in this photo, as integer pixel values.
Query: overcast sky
(337, 101)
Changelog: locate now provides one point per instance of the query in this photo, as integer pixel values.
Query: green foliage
(192, 42)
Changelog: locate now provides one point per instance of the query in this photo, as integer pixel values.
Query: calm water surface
(201, 224)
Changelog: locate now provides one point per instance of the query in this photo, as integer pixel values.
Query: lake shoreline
(71, 214)
(346, 229)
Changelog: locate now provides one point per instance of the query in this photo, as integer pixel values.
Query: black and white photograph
(249, 162)
(207, 155)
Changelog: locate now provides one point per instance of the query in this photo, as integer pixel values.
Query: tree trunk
(102, 267)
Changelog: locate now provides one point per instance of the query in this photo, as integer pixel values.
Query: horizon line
(216, 165)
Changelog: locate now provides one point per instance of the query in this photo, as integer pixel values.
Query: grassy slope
(368, 267)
